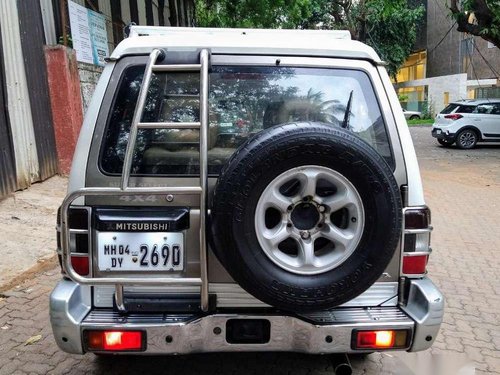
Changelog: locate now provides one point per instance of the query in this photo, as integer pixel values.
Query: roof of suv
(326, 43)
(477, 101)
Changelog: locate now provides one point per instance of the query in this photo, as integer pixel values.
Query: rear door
(488, 116)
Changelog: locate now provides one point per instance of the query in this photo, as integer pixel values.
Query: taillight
(416, 241)
(454, 116)
(80, 264)
(79, 234)
(414, 264)
(380, 339)
(115, 340)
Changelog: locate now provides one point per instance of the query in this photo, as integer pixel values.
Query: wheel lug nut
(289, 225)
(290, 208)
(305, 234)
(322, 209)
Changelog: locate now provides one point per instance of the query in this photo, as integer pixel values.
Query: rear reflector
(115, 340)
(415, 264)
(380, 339)
(80, 265)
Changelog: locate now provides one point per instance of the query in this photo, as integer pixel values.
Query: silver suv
(467, 122)
(244, 190)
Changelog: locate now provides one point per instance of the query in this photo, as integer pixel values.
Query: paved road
(463, 190)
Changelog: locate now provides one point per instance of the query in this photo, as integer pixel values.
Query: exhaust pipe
(341, 364)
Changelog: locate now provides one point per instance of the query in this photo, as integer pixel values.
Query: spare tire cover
(305, 216)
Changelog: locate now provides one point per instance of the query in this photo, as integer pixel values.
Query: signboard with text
(89, 35)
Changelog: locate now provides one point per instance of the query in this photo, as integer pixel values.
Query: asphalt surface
(463, 190)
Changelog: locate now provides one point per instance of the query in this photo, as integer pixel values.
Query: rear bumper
(71, 315)
(443, 134)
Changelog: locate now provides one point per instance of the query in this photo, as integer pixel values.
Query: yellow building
(413, 98)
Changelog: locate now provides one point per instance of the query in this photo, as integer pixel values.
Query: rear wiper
(347, 115)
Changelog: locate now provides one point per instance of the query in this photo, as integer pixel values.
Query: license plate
(145, 251)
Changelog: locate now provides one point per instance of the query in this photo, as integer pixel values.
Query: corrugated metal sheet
(125, 5)
(49, 27)
(156, 20)
(18, 101)
(7, 163)
(32, 42)
(141, 7)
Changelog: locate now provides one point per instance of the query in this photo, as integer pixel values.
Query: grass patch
(420, 122)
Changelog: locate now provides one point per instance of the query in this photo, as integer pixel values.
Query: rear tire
(445, 143)
(467, 139)
(414, 117)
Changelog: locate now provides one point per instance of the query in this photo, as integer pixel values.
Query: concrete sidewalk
(27, 244)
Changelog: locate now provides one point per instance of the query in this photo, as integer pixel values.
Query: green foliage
(388, 26)
(428, 110)
(69, 41)
(420, 122)
(267, 14)
(403, 97)
(391, 30)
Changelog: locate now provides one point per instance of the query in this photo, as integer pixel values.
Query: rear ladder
(125, 189)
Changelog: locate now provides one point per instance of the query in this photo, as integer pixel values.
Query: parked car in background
(468, 122)
(412, 115)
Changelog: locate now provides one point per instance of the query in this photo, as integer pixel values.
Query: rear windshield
(242, 102)
(458, 108)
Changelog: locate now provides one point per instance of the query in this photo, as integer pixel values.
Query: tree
(388, 26)
(478, 17)
(268, 14)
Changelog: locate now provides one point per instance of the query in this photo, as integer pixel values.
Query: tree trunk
(484, 17)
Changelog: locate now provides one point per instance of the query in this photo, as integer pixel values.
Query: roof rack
(136, 31)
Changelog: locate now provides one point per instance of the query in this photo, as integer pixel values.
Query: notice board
(88, 33)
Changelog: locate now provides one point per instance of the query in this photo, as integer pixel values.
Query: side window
(485, 108)
(496, 109)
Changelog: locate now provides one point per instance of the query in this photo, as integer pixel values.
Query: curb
(42, 266)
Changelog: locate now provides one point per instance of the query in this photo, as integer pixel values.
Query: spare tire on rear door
(306, 216)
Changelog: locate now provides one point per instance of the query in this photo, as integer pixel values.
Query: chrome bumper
(71, 314)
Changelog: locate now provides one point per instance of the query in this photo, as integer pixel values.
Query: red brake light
(115, 340)
(454, 116)
(380, 339)
(413, 265)
(80, 264)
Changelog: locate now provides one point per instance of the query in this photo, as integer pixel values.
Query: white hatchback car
(468, 122)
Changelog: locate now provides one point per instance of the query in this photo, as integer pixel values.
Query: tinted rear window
(242, 102)
(465, 109)
(458, 108)
(449, 108)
